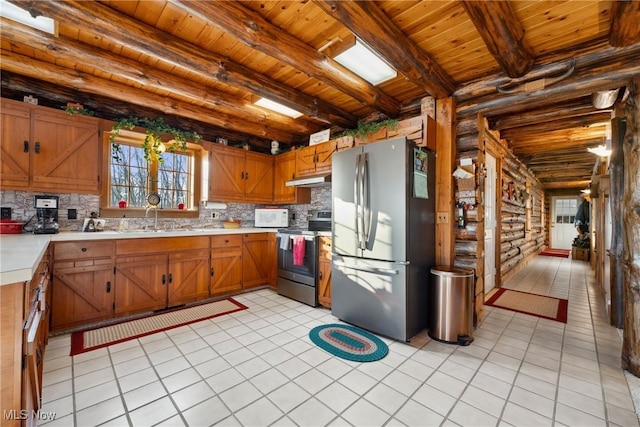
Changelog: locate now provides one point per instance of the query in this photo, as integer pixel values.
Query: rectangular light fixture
(366, 63)
(15, 13)
(600, 150)
(278, 108)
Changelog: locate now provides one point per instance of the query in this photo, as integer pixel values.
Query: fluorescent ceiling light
(365, 63)
(600, 150)
(15, 13)
(278, 108)
(586, 191)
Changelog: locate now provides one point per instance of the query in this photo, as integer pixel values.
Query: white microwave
(272, 218)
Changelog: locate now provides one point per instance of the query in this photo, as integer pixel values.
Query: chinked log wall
(521, 233)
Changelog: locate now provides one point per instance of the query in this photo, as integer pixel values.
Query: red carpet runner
(560, 253)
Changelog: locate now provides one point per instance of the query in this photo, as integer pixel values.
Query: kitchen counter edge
(20, 254)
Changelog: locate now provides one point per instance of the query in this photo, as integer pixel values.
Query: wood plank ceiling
(533, 68)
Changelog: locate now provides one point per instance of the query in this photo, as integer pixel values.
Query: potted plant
(366, 132)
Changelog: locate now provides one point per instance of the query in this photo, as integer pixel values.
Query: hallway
(258, 367)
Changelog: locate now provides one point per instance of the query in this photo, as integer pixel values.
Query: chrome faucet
(155, 219)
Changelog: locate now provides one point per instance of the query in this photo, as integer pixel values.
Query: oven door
(305, 270)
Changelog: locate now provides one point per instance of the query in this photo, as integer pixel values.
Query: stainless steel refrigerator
(383, 197)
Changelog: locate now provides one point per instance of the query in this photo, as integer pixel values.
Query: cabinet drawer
(226, 241)
(82, 250)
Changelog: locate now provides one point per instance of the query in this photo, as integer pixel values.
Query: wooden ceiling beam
(503, 34)
(550, 113)
(253, 30)
(625, 23)
(369, 23)
(583, 82)
(52, 73)
(541, 146)
(570, 123)
(564, 173)
(149, 77)
(168, 49)
(565, 185)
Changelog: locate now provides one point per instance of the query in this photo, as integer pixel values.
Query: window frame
(130, 137)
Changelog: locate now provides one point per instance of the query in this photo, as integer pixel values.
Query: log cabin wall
(521, 208)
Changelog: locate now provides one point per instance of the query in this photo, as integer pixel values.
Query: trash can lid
(442, 270)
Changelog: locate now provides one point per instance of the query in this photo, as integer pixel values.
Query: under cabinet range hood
(310, 181)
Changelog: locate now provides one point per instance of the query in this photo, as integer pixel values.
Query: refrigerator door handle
(366, 203)
(356, 198)
(385, 271)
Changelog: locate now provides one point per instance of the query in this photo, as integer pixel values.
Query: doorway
(563, 214)
(490, 223)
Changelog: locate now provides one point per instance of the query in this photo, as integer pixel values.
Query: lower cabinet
(24, 313)
(83, 283)
(324, 272)
(226, 264)
(258, 259)
(174, 271)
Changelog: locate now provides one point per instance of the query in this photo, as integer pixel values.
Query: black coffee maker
(46, 214)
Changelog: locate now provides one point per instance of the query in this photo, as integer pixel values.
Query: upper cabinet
(48, 150)
(284, 170)
(240, 175)
(315, 159)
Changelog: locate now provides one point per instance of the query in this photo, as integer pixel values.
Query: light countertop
(21, 253)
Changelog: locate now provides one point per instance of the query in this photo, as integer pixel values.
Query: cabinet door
(141, 284)
(226, 174)
(66, 152)
(284, 170)
(82, 292)
(226, 264)
(306, 161)
(324, 152)
(258, 259)
(324, 272)
(15, 145)
(258, 177)
(188, 277)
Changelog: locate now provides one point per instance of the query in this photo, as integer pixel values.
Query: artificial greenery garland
(154, 129)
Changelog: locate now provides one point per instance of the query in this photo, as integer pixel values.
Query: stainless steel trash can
(451, 305)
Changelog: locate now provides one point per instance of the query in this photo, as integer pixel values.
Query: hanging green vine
(154, 129)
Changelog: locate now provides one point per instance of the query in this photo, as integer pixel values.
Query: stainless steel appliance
(383, 237)
(298, 280)
(46, 214)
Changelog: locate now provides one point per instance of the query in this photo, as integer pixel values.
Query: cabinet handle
(246, 175)
(242, 175)
(84, 249)
(25, 148)
(226, 240)
(164, 279)
(108, 287)
(170, 278)
(320, 275)
(213, 272)
(37, 147)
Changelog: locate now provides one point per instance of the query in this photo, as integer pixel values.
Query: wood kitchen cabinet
(284, 170)
(240, 175)
(24, 310)
(258, 259)
(226, 264)
(315, 159)
(157, 273)
(324, 271)
(83, 283)
(47, 150)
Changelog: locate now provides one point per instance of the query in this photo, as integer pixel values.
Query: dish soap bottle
(122, 226)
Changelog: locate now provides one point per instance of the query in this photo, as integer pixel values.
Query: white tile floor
(258, 367)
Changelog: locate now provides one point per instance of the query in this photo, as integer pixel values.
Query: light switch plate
(6, 213)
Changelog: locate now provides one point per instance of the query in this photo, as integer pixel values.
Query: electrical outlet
(72, 213)
(6, 213)
(215, 215)
(442, 218)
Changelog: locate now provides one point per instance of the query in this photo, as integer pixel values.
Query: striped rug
(83, 341)
(533, 304)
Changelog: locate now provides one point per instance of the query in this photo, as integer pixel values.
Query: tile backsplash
(21, 204)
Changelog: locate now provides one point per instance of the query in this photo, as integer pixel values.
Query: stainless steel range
(298, 258)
